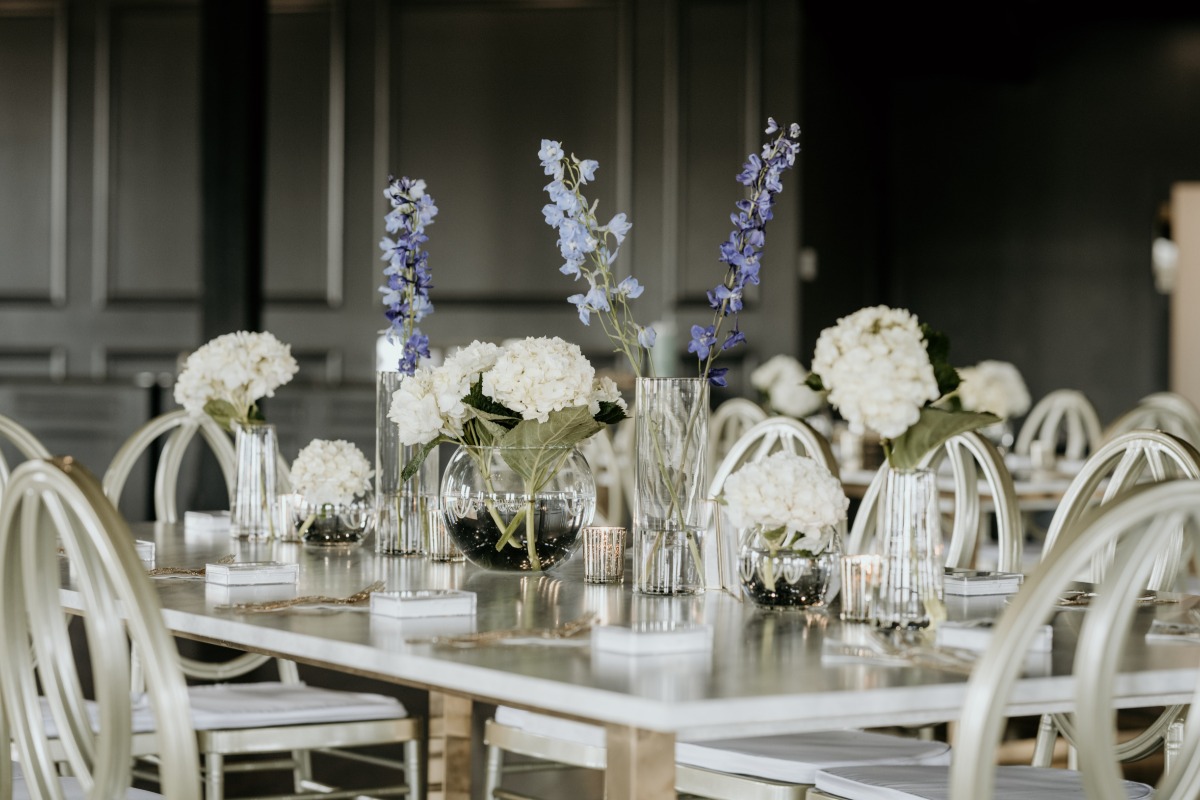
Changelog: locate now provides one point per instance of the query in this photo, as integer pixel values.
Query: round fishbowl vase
(517, 509)
(334, 524)
(786, 578)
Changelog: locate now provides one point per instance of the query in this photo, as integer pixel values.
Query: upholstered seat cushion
(933, 783)
(791, 758)
(261, 704)
(71, 789)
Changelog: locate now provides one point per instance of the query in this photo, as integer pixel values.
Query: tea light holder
(603, 554)
(860, 580)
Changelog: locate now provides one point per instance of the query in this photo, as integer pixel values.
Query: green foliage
(535, 450)
(414, 464)
(610, 413)
(937, 345)
(222, 412)
(814, 382)
(931, 431)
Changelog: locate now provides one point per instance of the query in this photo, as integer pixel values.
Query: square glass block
(652, 638)
(409, 603)
(207, 521)
(145, 549)
(251, 573)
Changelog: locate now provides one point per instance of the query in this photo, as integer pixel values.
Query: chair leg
(1043, 750)
(413, 759)
(214, 776)
(495, 766)
(301, 769)
(1173, 744)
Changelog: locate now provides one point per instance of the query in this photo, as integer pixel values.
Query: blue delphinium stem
(407, 279)
(742, 251)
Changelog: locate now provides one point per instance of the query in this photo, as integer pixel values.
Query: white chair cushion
(143, 719)
(796, 758)
(790, 759)
(261, 704)
(70, 787)
(933, 783)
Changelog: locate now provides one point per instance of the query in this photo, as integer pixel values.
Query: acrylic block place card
(209, 521)
(218, 595)
(410, 603)
(653, 638)
(977, 635)
(972, 582)
(145, 549)
(251, 573)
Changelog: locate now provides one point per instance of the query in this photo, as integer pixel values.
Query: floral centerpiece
(995, 387)
(789, 508)
(781, 382)
(226, 377)
(516, 413)
(334, 477)
(669, 518)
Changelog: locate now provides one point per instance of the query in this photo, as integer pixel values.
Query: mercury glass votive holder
(603, 554)
(860, 577)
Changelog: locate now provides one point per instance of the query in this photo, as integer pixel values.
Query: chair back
(969, 454)
(57, 503)
(25, 443)
(730, 421)
(1061, 408)
(1164, 411)
(1139, 524)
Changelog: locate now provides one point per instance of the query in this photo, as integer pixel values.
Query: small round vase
(785, 578)
(334, 524)
(517, 509)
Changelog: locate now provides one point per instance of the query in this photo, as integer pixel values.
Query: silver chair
(730, 421)
(1164, 411)
(749, 768)
(1139, 525)
(1061, 408)
(47, 505)
(237, 721)
(969, 454)
(26, 444)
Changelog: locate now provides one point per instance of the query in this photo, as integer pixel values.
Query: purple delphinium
(589, 250)
(742, 252)
(407, 279)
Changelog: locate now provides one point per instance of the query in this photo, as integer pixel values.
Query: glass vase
(669, 508)
(252, 513)
(515, 508)
(400, 513)
(910, 586)
(784, 578)
(334, 524)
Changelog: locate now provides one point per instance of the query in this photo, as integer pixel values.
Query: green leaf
(610, 413)
(414, 463)
(222, 412)
(478, 400)
(931, 431)
(535, 449)
(814, 382)
(937, 345)
(255, 414)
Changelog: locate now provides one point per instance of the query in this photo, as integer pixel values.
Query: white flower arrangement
(791, 502)
(226, 377)
(883, 371)
(334, 471)
(994, 386)
(781, 381)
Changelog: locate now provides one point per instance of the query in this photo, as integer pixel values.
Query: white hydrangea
(787, 491)
(535, 376)
(415, 410)
(781, 379)
(995, 387)
(605, 390)
(876, 369)
(331, 472)
(240, 368)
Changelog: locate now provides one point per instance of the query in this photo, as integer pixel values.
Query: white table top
(765, 673)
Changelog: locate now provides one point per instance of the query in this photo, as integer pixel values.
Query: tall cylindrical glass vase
(910, 587)
(400, 518)
(252, 515)
(669, 508)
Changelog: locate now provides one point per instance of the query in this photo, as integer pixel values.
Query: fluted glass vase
(400, 506)
(669, 508)
(910, 587)
(252, 513)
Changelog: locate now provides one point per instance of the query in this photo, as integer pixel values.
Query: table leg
(449, 747)
(641, 764)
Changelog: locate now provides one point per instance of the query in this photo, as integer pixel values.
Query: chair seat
(264, 704)
(933, 783)
(791, 758)
(71, 789)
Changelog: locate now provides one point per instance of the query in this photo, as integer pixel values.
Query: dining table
(764, 672)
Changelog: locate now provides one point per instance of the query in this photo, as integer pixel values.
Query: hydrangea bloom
(331, 472)
(781, 380)
(407, 279)
(994, 386)
(791, 499)
(237, 369)
(875, 365)
(536, 376)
